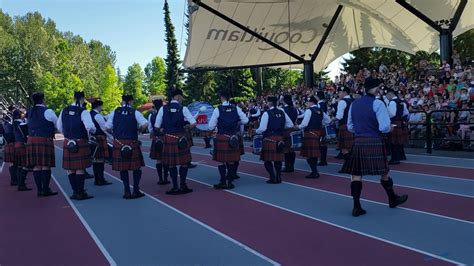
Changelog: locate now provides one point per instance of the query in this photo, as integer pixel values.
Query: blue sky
(134, 29)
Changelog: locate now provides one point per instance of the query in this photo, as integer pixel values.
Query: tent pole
(308, 74)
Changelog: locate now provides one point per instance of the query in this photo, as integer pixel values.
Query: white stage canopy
(299, 25)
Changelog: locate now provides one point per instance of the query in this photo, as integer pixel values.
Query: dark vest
(323, 106)
(292, 113)
(228, 121)
(276, 123)
(8, 132)
(20, 132)
(38, 126)
(98, 130)
(364, 118)
(349, 101)
(316, 121)
(125, 124)
(399, 114)
(173, 119)
(73, 127)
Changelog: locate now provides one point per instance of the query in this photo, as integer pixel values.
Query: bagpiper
(272, 126)
(323, 147)
(9, 149)
(156, 150)
(368, 119)
(176, 149)
(227, 146)
(125, 123)
(398, 112)
(345, 138)
(101, 149)
(292, 112)
(313, 121)
(20, 131)
(40, 146)
(76, 124)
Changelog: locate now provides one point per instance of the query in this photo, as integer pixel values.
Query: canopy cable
(289, 32)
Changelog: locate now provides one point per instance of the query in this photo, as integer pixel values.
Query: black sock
(165, 172)
(313, 164)
(101, 171)
(159, 170)
(324, 153)
(45, 180)
(137, 175)
(269, 168)
(278, 166)
(80, 183)
(95, 170)
(72, 181)
(287, 160)
(126, 182)
(13, 174)
(222, 172)
(21, 174)
(174, 176)
(231, 171)
(356, 190)
(37, 177)
(183, 173)
(292, 159)
(388, 186)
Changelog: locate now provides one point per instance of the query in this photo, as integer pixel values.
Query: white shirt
(215, 116)
(49, 115)
(341, 106)
(257, 114)
(264, 122)
(85, 118)
(186, 113)
(141, 121)
(307, 118)
(99, 118)
(392, 108)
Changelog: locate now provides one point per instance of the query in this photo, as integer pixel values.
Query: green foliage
(275, 79)
(112, 90)
(173, 76)
(133, 84)
(201, 86)
(464, 45)
(238, 83)
(155, 83)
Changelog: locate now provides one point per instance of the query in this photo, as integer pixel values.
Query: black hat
(371, 83)
(311, 99)
(97, 103)
(320, 95)
(16, 114)
(38, 97)
(158, 103)
(127, 98)
(177, 92)
(288, 99)
(224, 94)
(79, 95)
(272, 99)
(345, 89)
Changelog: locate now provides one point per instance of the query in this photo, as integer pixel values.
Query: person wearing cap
(312, 124)
(368, 119)
(40, 147)
(172, 119)
(398, 112)
(156, 153)
(20, 132)
(75, 122)
(253, 117)
(102, 152)
(323, 147)
(9, 155)
(227, 118)
(345, 138)
(272, 126)
(125, 123)
(290, 156)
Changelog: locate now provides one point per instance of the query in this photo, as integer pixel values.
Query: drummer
(272, 126)
(312, 124)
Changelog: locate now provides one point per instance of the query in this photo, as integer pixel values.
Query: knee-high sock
(222, 172)
(269, 168)
(80, 179)
(278, 166)
(292, 159)
(45, 179)
(101, 171)
(174, 176)
(126, 181)
(388, 186)
(37, 177)
(396, 153)
(72, 181)
(13, 174)
(324, 153)
(356, 190)
(21, 173)
(183, 174)
(165, 172)
(159, 170)
(313, 164)
(231, 171)
(287, 160)
(96, 171)
(137, 175)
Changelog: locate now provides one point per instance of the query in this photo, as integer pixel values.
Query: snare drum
(257, 144)
(296, 140)
(330, 131)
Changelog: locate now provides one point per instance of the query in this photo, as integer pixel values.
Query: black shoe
(173, 191)
(49, 193)
(207, 147)
(88, 176)
(393, 162)
(221, 185)
(339, 156)
(24, 188)
(288, 170)
(271, 181)
(84, 196)
(102, 183)
(13, 184)
(137, 195)
(322, 164)
(74, 196)
(230, 186)
(234, 177)
(39, 194)
(341, 171)
(163, 182)
(356, 212)
(191, 165)
(185, 190)
(127, 196)
(312, 176)
(399, 200)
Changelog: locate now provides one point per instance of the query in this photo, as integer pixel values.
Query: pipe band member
(272, 126)
(76, 124)
(40, 146)
(156, 152)
(292, 112)
(20, 131)
(398, 112)
(176, 150)
(345, 138)
(9, 149)
(102, 153)
(312, 124)
(323, 147)
(227, 150)
(125, 123)
(369, 119)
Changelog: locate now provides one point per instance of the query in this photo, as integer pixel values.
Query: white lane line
(332, 224)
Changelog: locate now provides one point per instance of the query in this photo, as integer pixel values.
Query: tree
(275, 79)
(173, 76)
(238, 83)
(133, 84)
(155, 77)
(201, 86)
(464, 45)
(112, 90)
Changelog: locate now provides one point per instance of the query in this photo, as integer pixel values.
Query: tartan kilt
(172, 155)
(287, 140)
(189, 136)
(269, 150)
(252, 128)
(40, 152)
(20, 154)
(345, 138)
(368, 157)
(223, 152)
(154, 153)
(399, 134)
(79, 160)
(311, 144)
(102, 152)
(133, 163)
(9, 156)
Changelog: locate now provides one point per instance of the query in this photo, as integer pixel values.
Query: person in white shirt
(398, 112)
(101, 152)
(345, 138)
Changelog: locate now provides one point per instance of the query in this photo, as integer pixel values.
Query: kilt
(287, 140)
(345, 138)
(20, 154)
(223, 152)
(133, 163)
(189, 136)
(172, 155)
(311, 144)
(399, 134)
(269, 150)
(79, 160)
(368, 157)
(40, 152)
(9, 156)
(102, 152)
(252, 128)
(154, 153)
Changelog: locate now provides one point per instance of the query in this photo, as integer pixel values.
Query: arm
(159, 118)
(341, 106)
(50, 116)
(392, 109)
(326, 119)
(110, 122)
(405, 110)
(87, 121)
(142, 122)
(257, 114)
(189, 117)
(305, 122)
(150, 126)
(101, 121)
(382, 116)
(288, 122)
(243, 119)
(214, 117)
(350, 123)
(59, 122)
(263, 124)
